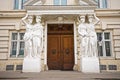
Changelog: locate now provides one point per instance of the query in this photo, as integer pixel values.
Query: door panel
(53, 52)
(68, 53)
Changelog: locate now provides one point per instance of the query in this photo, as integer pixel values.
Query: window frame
(60, 3)
(101, 3)
(20, 4)
(103, 47)
(18, 45)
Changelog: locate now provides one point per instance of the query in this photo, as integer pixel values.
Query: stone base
(90, 65)
(45, 67)
(31, 65)
(75, 68)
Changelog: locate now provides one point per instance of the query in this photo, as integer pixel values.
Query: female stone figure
(37, 37)
(82, 30)
(28, 35)
(92, 44)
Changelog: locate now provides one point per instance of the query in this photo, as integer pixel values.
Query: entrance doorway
(60, 47)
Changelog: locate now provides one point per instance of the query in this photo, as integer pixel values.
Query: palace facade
(61, 38)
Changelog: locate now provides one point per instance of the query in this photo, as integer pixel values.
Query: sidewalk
(59, 75)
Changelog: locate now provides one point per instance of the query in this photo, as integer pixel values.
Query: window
(9, 67)
(112, 67)
(102, 3)
(103, 67)
(60, 2)
(18, 4)
(17, 45)
(104, 44)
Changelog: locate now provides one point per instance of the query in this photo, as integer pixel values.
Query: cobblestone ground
(59, 75)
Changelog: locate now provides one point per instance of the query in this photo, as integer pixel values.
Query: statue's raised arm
(27, 20)
(24, 19)
(96, 19)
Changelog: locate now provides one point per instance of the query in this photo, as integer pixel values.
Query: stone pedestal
(31, 65)
(90, 65)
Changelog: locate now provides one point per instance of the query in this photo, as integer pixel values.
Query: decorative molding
(53, 7)
(118, 55)
(16, 25)
(107, 12)
(13, 13)
(105, 24)
(53, 12)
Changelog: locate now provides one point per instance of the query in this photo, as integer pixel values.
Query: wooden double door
(60, 50)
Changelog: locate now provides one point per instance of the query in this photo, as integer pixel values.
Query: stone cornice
(51, 7)
(13, 13)
(107, 12)
(51, 10)
(99, 12)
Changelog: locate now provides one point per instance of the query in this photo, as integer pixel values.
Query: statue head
(38, 18)
(30, 19)
(90, 18)
(82, 18)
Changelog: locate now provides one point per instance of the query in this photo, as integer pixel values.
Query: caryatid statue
(88, 36)
(92, 44)
(37, 37)
(33, 37)
(28, 19)
(82, 30)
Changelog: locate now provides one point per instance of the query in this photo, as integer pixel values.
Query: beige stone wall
(6, 5)
(4, 38)
(108, 23)
(113, 25)
(7, 26)
(10, 21)
(48, 2)
(114, 4)
(9, 4)
(15, 62)
(108, 62)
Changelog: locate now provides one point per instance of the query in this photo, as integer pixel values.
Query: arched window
(60, 2)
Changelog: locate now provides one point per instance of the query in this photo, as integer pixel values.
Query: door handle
(53, 51)
(67, 51)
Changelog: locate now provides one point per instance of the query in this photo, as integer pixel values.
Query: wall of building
(10, 21)
(108, 23)
(6, 5)
(114, 4)
(9, 4)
